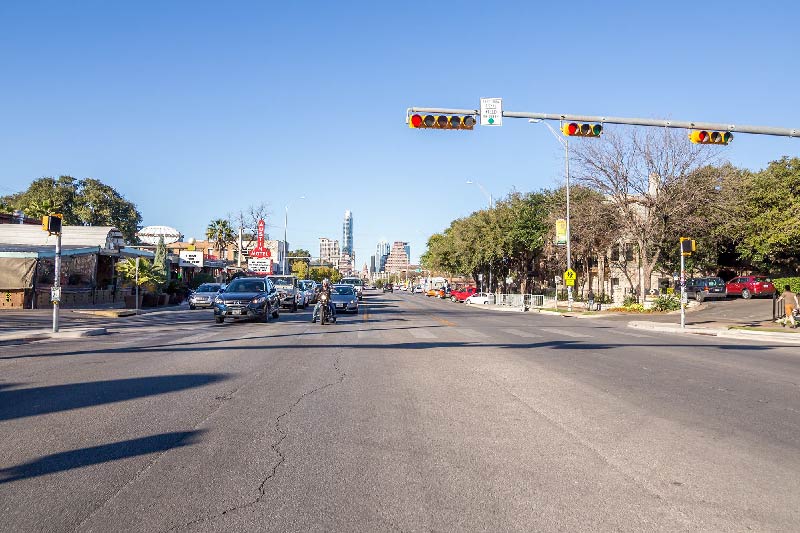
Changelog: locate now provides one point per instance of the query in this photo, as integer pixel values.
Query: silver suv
(204, 295)
(290, 294)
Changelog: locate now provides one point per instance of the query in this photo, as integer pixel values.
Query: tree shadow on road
(59, 462)
(22, 403)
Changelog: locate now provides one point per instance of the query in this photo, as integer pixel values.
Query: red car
(460, 296)
(749, 286)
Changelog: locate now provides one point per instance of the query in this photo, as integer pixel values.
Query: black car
(705, 288)
(388, 288)
(247, 298)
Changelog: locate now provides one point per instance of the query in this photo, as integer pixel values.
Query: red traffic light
(442, 122)
(572, 129)
(713, 137)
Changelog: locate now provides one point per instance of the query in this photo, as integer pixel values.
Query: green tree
(86, 202)
(763, 210)
(221, 233)
(320, 273)
(148, 275)
(160, 259)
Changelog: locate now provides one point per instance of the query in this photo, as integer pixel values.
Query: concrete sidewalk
(789, 336)
(20, 337)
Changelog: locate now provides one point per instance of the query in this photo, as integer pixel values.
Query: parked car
(310, 288)
(204, 295)
(443, 292)
(388, 288)
(478, 298)
(289, 292)
(749, 286)
(705, 288)
(418, 290)
(254, 298)
(463, 294)
(432, 292)
(357, 284)
(344, 297)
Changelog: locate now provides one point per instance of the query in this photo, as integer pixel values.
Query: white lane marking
(630, 334)
(421, 333)
(466, 332)
(521, 333)
(564, 332)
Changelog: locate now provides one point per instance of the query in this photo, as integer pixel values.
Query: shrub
(635, 308)
(779, 283)
(666, 302)
(630, 300)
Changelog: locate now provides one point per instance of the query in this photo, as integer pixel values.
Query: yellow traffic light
(710, 137)
(52, 223)
(574, 129)
(688, 246)
(441, 122)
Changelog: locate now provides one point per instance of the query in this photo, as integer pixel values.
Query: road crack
(275, 446)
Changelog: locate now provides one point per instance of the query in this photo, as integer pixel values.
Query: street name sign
(491, 111)
(569, 277)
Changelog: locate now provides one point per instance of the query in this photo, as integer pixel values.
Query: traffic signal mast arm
(679, 124)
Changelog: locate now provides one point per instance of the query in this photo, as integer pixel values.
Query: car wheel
(746, 294)
(276, 314)
(219, 319)
(265, 318)
(192, 307)
(294, 307)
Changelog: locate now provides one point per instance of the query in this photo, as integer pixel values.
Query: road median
(730, 332)
(20, 337)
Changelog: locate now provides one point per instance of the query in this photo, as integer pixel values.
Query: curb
(38, 335)
(716, 332)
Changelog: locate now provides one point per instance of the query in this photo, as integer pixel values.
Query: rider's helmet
(326, 282)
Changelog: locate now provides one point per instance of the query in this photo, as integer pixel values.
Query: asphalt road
(417, 414)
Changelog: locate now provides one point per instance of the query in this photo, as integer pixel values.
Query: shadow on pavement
(22, 403)
(59, 462)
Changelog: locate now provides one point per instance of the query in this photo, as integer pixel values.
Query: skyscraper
(347, 233)
(381, 253)
(328, 250)
(398, 258)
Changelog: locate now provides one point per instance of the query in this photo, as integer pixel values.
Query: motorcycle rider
(326, 288)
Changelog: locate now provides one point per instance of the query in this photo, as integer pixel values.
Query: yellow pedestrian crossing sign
(569, 277)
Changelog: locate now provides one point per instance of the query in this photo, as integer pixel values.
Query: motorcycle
(324, 309)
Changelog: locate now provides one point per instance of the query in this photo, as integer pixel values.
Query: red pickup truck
(463, 294)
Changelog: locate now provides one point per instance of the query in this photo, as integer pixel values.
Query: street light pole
(285, 265)
(491, 206)
(565, 144)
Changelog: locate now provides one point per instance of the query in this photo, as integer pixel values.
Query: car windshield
(283, 282)
(343, 290)
(352, 281)
(761, 279)
(208, 287)
(246, 285)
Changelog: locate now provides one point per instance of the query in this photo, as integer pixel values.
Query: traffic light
(687, 246)
(710, 137)
(441, 122)
(52, 223)
(573, 129)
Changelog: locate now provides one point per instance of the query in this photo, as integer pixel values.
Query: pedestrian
(790, 303)
(590, 298)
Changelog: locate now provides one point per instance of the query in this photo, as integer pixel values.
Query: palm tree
(221, 233)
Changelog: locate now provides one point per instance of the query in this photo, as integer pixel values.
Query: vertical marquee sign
(260, 260)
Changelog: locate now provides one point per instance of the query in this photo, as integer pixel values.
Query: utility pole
(56, 296)
(683, 288)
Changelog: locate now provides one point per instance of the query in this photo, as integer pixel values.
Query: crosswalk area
(466, 335)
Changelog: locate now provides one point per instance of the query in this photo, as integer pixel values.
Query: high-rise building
(329, 250)
(398, 257)
(381, 253)
(347, 233)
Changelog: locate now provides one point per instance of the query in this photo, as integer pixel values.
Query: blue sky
(193, 110)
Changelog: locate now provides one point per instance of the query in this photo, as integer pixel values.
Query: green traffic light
(597, 129)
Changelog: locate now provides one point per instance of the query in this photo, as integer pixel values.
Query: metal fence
(520, 300)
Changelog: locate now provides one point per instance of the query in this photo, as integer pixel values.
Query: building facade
(398, 258)
(347, 233)
(381, 254)
(329, 251)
